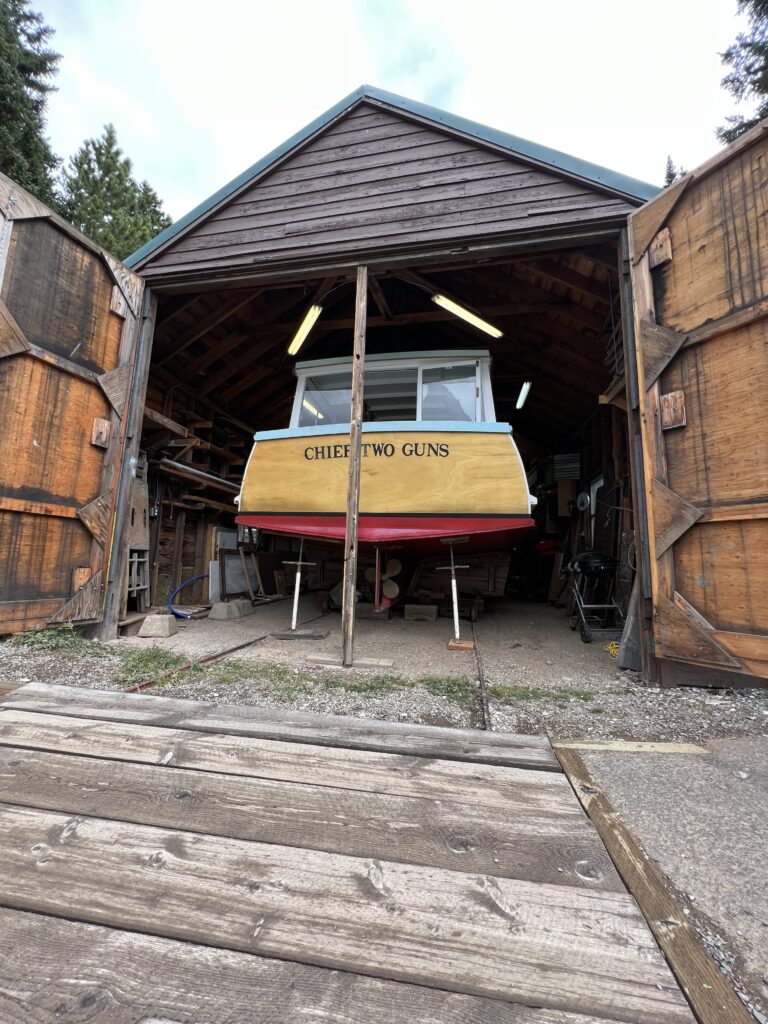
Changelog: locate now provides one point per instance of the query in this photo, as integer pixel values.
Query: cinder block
(421, 612)
(227, 610)
(159, 626)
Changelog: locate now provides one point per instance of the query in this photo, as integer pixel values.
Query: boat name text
(421, 449)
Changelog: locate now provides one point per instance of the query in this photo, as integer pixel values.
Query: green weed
(456, 688)
(148, 663)
(63, 640)
(369, 686)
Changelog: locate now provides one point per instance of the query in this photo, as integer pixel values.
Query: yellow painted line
(632, 746)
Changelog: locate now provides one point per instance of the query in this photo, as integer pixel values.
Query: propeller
(389, 587)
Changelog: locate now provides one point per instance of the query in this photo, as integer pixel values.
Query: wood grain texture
(52, 970)
(681, 636)
(424, 741)
(538, 845)
(84, 606)
(96, 515)
(515, 790)
(12, 340)
(362, 186)
(673, 515)
(705, 986)
(553, 946)
(481, 474)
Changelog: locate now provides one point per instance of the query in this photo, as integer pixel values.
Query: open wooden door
(699, 255)
(69, 320)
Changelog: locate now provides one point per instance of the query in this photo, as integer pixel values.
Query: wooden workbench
(180, 861)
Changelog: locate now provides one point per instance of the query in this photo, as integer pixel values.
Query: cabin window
(449, 393)
(397, 394)
(391, 394)
(327, 399)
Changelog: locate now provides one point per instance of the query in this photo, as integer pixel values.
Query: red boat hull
(473, 532)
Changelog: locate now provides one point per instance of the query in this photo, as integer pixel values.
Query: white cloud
(200, 90)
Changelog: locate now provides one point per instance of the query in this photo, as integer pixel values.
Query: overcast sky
(200, 89)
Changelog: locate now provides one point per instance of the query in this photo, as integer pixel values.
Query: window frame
(484, 407)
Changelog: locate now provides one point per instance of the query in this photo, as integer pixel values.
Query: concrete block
(228, 610)
(159, 626)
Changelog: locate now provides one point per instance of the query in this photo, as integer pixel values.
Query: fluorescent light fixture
(306, 326)
(465, 314)
(523, 394)
(310, 408)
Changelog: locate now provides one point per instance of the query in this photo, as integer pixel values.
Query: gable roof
(542, 156)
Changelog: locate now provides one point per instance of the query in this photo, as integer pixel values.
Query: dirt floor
(530, 674)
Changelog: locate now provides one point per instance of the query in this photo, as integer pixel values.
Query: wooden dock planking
(560, 849)
(516, 789)
(177, 861)
(285, 724)
(544, 945)
(54, 969)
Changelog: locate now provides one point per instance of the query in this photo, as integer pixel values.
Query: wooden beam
(222, 312)
(198, 475)
(565, 275)
(706, 987)
(353, 487)
(379, 299)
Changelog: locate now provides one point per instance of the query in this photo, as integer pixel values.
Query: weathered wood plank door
(700, 280)
(69, 316)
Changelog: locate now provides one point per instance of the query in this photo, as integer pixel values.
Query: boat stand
(294, 634)
(457, 644)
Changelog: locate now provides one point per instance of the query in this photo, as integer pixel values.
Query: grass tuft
(509, 694)
(456, 688)
(63, 640)
(146, 664)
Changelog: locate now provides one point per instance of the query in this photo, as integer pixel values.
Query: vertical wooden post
(353, 487)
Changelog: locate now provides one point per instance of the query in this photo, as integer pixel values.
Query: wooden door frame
(130, 440)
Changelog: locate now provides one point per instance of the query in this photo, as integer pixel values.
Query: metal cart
(592, 604)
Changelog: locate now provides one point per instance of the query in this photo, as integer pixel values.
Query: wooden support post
(353, 488)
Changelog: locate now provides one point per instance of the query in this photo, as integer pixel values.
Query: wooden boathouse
(129, 395)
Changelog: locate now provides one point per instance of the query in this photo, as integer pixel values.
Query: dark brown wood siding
(375, 182)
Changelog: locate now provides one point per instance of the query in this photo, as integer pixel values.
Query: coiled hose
(192, 579)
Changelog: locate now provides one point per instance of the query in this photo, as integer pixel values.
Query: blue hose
(192, 579)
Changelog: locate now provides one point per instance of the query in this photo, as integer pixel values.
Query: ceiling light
(310, 408)
(465, 314)
(306, 326)
(523, 394)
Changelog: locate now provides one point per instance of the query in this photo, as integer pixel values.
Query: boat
(436, 467)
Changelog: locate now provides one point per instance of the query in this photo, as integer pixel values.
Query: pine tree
(27, 67)
(104, 201)
(672, 173)
(748, 78)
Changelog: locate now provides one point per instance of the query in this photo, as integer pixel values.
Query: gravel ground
(539, 676)
(702, 819)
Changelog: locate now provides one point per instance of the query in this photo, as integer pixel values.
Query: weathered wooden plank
(50, 968)
(660, 346)
(96, 516)
(516, 790)
(650, 219)
(421, 201)
(38, 508)
(537, 845)
(12, 340)
(705, 985)
(115, 386)
(359, 241)
(682, 637)
(86, 604)
(672, 515)
(294, 726)
(552, 946)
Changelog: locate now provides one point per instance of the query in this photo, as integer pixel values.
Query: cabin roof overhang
(600, 179)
